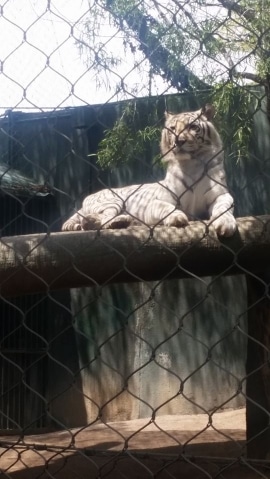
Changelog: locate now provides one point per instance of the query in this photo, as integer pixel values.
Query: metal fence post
(258, 367)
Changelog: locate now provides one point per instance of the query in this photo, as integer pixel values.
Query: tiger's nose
(179, 141)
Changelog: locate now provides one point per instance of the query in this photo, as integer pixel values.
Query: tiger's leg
(221, 214)
(79, 222)
(105, 213)
(110, 219)
(162, 212)
(73, 223)
(93, 221)
(106, 217)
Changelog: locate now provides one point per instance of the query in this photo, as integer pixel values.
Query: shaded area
(30, 346)
(184, 448)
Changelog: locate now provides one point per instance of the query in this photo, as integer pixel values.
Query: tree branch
(251, 76)
(247, 13)
(159, 56)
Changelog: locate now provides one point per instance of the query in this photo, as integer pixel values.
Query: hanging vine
(234, 117)
(127, 139)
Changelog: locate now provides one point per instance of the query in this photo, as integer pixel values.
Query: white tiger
(194, 186)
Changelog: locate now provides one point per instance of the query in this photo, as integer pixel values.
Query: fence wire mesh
(139, 347)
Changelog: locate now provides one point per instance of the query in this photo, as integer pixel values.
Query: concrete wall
(177, 348)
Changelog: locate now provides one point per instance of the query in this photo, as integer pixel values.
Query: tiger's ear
(208, 111)
(167, 114)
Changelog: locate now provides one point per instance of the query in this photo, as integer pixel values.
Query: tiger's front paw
(91, 222)
(176, 218)
(119, 222)
(225, 225)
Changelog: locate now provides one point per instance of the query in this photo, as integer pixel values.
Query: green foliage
(192, 46)
(126, 140)
(136, 132)
(233, 106)
(189, 44)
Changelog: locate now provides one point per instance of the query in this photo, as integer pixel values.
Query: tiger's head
(189, 134)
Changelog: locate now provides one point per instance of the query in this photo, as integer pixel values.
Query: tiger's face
(189, 133)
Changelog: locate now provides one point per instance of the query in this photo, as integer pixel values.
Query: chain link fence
(139, 351)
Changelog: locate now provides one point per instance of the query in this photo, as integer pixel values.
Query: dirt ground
(186, 447)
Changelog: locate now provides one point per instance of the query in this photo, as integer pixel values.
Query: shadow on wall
(177, 347)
